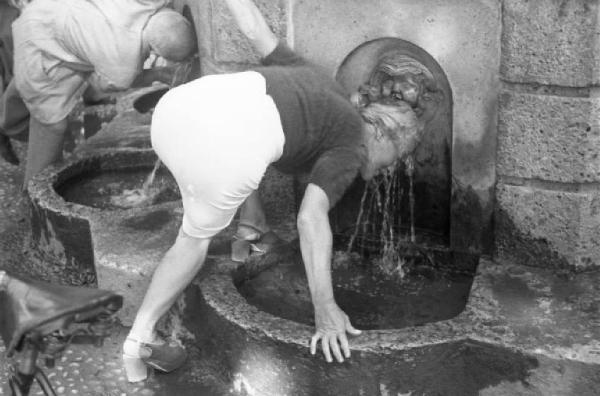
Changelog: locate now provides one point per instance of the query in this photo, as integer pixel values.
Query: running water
(149, 192)
(139, 197)
(180, 76)
(376, 225)
(410, 171)
(151, 176)
(390, 263)
(182, 73)
(379, 221)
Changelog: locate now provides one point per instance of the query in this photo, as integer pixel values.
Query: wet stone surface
(509, 309)
(85, 369)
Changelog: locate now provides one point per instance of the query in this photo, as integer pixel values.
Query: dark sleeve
(335, 170)
(284, 56)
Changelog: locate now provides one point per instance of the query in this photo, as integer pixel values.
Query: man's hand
(331, 327)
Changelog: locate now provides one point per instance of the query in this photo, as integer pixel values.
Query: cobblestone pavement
(87, 370)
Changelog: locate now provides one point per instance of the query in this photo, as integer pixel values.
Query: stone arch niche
(389, 69)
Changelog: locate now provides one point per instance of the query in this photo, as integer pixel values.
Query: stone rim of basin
(221, 294)
(42, 189)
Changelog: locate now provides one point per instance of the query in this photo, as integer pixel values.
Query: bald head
(170, 35)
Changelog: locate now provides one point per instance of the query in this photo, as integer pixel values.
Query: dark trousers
(14, 116)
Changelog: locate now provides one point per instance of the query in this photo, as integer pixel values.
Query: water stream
(142, 195)
(379, 222)
(151, 176)
(410, 171)
(182, 73)
(147, 193)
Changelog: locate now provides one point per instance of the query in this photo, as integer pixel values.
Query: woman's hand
(331, 327)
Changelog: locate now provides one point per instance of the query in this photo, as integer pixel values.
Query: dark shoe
(7, 152)
(165, 357)
(266, 243)
(258, 242)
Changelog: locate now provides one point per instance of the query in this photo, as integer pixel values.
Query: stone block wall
(328, 32)
(548, 166)
(230, 46)
(547, 170)
(222, 46)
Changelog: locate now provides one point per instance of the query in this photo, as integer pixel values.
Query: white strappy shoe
(162, 356)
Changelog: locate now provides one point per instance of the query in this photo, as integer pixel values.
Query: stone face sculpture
(403, 81)
(410, 81)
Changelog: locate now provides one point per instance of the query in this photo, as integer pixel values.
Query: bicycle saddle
(28, 307)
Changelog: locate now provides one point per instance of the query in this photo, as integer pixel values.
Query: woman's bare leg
(174, 273)
(252, 212)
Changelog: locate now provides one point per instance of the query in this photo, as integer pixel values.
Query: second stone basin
(412, 294)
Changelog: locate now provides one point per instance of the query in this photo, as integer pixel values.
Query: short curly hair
(398, 121)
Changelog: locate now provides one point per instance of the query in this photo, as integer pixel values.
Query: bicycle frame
(78, 316)
(22, 374)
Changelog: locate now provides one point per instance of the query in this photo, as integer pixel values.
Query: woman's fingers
(313, 342)
(325, 344)
(344, 344)
(334, 343)
(335, 347)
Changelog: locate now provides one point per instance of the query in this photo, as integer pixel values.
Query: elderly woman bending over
(218, 134)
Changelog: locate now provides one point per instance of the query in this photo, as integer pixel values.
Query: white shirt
(103, 37)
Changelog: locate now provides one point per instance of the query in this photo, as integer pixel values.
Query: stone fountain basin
(523, 331)
(374, 297)
(79, 237)
(101, 186)
(506, 339)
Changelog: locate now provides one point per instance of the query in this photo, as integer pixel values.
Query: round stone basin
(72, 199)
(373, 297)
(254, 323)
(121, 188)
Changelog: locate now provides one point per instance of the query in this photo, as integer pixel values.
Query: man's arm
(253, 25)
(148, 76)
(316, 244)
(101, 83)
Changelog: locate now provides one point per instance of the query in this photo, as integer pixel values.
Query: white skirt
(217, 135)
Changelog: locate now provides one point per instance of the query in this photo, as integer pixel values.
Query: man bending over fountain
(218, 134)
(63, 46)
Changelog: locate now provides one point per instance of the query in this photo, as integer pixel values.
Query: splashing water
(410, 171)
(376, 217)
(182, 73)
(146, 195)
(379, 220)
(151, 176)
(358, 219)
(139, 197)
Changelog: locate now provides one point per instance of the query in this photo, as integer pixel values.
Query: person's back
(62, 47)
(7, 15)
(323, 130)
(102, 36)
